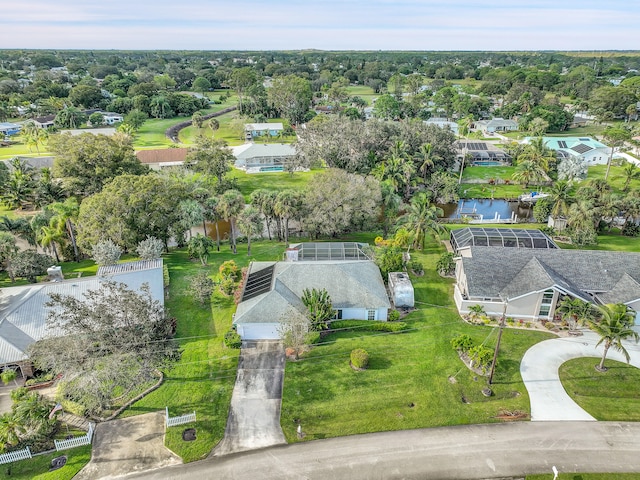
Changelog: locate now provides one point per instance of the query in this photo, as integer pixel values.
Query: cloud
(330, 24)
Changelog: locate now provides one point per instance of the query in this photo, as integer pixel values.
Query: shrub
(416, 267)
(549, 325)
(394, 316)
(630, 229)
(312, 338)
(462, 342)
(165, 276)
(359, 358)
(106, 252)
(150, 248)
(481, 356)
(368, 325)
(232, 339)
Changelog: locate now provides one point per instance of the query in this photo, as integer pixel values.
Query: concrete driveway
(539, 370)
(254, 415)
(122, 447)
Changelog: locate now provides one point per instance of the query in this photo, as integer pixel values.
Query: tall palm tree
(631, 171)
(538, 153)
(66, 213)
(250, 224)
(614, 326)
(213, 214)
(420, 218)
(389, 206)
(528, 172)
(48, 236)
(265, 201)
(425, 159)
(561, 194)
(288, 204)
(231, 204)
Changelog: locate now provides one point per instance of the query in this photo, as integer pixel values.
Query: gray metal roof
(511, 272)
(23, 309)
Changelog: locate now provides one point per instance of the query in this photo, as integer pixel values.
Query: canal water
(474, 207)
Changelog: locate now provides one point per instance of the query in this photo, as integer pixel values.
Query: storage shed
(401, 289)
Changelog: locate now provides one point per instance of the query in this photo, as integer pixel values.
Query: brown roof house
(160, 158)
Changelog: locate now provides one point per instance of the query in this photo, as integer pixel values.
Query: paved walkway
(129, 445)
(539, 370)
(254, 415)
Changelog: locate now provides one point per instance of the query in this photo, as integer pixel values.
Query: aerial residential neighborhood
(371, 249)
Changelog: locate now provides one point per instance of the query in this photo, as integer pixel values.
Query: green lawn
(37, 468)
(407, 384)
(610, 241)
(616, 176)
(610, 396)
(484, 190)
(487, 173)
(248, 182)
(203, 379)
(362, 91)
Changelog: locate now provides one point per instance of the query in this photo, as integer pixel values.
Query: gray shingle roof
(350, 284)
(492, 271)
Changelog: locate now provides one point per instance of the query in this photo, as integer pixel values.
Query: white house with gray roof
(257, 156)
(533, 281)
(586, 149)
(23, 309)
(274, 290)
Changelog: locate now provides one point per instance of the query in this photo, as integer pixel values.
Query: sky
(504, 25)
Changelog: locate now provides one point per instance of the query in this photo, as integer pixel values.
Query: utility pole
(495, 353)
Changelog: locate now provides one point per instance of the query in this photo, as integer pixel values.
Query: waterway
(487, 208)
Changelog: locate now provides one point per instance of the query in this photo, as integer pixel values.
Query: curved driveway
(539, 370)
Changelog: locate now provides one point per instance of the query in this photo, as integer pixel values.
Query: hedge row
(368, 325)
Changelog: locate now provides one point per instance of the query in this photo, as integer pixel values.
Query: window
(371, 314)
(545, 304)
(338, 314)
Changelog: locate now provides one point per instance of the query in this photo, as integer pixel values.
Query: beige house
(531, 282)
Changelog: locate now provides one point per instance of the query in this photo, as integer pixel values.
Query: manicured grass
(484, 190)
(203, 379)
(616, 178)
(407, 383)
(613, 395)
(487, 173)
(610, 241)
(362, 91)
(248, 182)
(586, 476)
(37, 468)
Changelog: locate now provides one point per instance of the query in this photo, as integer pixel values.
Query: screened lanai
(315, 251)
(499, 237)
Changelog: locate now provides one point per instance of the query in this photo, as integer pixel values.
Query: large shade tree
(113, 340)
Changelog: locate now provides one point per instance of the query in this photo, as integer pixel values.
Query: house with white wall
(273, 290)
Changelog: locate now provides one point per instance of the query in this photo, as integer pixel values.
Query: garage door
(258, 331)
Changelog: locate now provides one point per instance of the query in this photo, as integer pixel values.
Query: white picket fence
(15, 456)
(173, 421)
(75, 442)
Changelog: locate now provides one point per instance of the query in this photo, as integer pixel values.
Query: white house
(587, 149)
(261, 156)
(497, 125)
(443, 123)
(253, 130)
(23, 309)
(531, 282)
(273, 290)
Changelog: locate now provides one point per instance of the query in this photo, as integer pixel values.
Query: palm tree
(631, 171)
(265, 201)
(421, 217)
(561, 193)
(250, 223)
(66, 213)
(475, 312)
(614, 326)
(10, 430)
(287, 204)
(231, 204)
(48, 236)
(213, 213)
(582, 216)
(538, 153)
(528, 172)
(574, 311)
(389, 206)
(616, 137)
(425, 157)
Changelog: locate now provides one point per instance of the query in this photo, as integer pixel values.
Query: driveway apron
(254, 415)
(539, 370)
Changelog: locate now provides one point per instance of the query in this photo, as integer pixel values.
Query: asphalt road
(447, 453)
